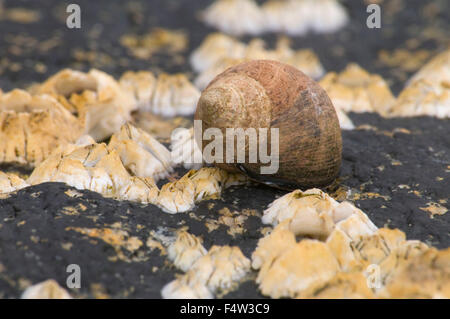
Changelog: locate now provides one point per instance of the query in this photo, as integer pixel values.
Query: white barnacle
(178, 196)
(423, 97)
(140, 85)
(304, 265)
(97, 168)
(294, 17)
(48, 289)
(95, 98)
(235, 17)
(356, 90)
(196, 185)
(166, 94)
(298, 17)
(140, 153)
(309, 212)
(436, 71)
(353, 253)
(213, 48)
(31, 127)
(185, 250)
(10, 182)
(219, 269)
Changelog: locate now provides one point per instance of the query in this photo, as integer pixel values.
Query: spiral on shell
(270, 94)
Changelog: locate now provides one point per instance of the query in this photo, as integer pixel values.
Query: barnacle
(272, 246)
(235, 17)
(140, 153)
(344, 121)
(422, 97)
(183, 289)
(11, 182)
(214, 47)
(384, 247)
(312, 213)
(95, 97)
(436, 71)
(428, 91)
(219, 269)
(48, 289)
(97, 168)
(181, 195)
(174, 94)
(206, 76)
(341, 286)
(305, 60)
(427, 275)
(217, 60)
(307, 264)
(140, 85)
(32, 126)
(355, 90)
(185, 150)
(210, 181)
(293, 203)
(186, 250)
(341, 265)
(297, 17)
(167, 95)
(177, 196)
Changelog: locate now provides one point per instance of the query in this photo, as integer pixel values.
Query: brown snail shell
(270, 94)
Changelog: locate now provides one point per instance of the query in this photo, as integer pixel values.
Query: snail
(274, 98)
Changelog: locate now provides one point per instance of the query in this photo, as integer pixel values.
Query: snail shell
(270, 94)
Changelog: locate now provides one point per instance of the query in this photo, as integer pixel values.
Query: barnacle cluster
(101, 105)
(185, 250)
(219, 269)
(294, 17)
(72, 110)
(10, 182)
(96, 167)
(165, 94)
(343, 255)
(426, 93)
(57, 124)
(94, 97)
(297, 17)
(126, 169)
(219, 52)
(141, 154)
(181, 195)
(356, 90)
(32, 126)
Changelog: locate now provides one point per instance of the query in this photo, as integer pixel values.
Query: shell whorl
(269, 94)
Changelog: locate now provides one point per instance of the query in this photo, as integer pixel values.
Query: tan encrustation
(33, 126)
